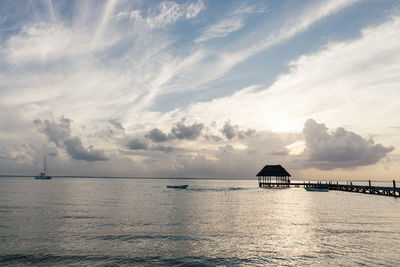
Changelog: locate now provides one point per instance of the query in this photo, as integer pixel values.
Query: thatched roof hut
(273, 172)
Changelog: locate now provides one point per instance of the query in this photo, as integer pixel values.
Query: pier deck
(365, 189)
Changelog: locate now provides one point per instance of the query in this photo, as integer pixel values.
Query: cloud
(56, 132)
(339, 149)
(38, 42)
(232, 22)
(144, 147)
(181, 131)
(164, 14)
(166, 149)
(281, 152)
(156, 135)
(342, 78)
(292, 26)
(137, 144)
(59, 133)
(116, 124)
(230, 131)
(77, 151)
(113, 60)
(214, 138)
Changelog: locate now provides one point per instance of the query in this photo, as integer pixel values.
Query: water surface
(125, 222)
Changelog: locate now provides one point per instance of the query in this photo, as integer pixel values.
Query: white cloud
(107, 64)
(215, 63)
(164, 15)
(39, 42)
(293, 26)
(357, 77)
(232, 22)
(339, 149)
(59, 133)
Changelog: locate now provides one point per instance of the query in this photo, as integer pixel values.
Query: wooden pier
(348, 187)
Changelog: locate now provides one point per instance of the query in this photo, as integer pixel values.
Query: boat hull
(316, 189)
(178, 186)
(42, 177)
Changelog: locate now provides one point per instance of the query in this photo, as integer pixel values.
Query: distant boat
(317, 189)
(43, 175)
(178, 186)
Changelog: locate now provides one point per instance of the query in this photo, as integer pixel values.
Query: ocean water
(128, 222)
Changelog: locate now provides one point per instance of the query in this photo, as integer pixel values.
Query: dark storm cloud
(181, 131)
(77, 151)
(55, 131)
(157, 135)
(116, 124)
(340, 149)
(137, 144)
(230, 131)
(60, 134)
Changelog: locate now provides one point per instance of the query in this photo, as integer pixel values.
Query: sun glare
(284, 125)
(296, 148)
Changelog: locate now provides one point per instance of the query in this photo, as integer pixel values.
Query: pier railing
(348, 187)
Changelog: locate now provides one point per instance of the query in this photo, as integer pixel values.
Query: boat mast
(44, 164)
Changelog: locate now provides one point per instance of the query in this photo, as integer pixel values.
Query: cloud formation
(166, 149)
(77, 151)
(164, 14)
(181, 131)
(230, 131)
(156, 135)
(116, 124)
(56, 132)
(59, 133)
(232, 22)
(137, 144)
(223, 67)
(339, 149)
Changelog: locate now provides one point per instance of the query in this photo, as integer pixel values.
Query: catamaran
(43, 175)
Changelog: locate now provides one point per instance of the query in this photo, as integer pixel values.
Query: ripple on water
(105, 260)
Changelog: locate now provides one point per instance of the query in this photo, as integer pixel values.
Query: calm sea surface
(125, 222)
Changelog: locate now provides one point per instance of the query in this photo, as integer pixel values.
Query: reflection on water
(128, 222)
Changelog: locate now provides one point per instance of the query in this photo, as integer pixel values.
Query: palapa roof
(273, 170)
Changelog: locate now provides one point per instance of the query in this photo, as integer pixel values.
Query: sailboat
(42, 175)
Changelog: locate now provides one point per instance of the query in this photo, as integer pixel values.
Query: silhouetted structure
(276, 176)
(273, 176)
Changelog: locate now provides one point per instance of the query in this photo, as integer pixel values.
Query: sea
(141, 222)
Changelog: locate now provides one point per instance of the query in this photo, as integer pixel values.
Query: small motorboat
(317, 189)
(178, 186)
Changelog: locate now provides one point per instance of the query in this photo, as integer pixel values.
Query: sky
(201, 88)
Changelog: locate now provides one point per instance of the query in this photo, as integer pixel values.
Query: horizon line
(179, 178)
